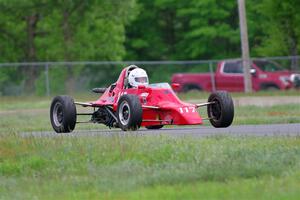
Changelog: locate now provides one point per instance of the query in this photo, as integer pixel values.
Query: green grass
(152, 167)
(267, 115)
(264, 188)
(133, 166)
(36, 102)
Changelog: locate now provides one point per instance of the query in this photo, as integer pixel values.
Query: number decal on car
(187, 109)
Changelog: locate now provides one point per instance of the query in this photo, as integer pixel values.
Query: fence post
(212, 77)
(47, 79)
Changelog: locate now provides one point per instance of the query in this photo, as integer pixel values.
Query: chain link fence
(52, 78)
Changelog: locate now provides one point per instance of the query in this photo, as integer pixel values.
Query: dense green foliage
(63, 30)
(209, 29)
(96, 30)
(160, 29)
(60, 31)
(184, 30)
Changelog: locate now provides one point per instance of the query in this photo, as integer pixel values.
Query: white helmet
(138, 77)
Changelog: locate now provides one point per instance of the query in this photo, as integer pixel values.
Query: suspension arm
(204, 104)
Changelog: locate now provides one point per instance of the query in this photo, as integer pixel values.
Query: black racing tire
(220, 113)
(129, 112)
(63, 114)
(154, 127)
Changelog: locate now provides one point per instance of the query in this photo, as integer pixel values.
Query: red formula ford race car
(132, 102)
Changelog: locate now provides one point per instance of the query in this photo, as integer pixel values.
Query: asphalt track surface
(271, 130)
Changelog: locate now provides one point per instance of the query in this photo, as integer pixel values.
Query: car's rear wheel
(221, 112)
(129, 112)
(63, 114)
(154, 127)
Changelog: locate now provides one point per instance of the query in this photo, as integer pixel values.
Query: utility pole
(245, 46)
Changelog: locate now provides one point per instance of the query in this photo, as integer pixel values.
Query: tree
(22, 19)
(281, 30)
(174, 29)
(72, 30)
(144, 36)
(87, 30)
(210, 29)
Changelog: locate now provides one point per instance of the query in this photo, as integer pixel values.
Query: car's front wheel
(129, 112)
(221, 112)
(63, 114)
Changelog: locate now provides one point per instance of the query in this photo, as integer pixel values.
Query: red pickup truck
(266, 75)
